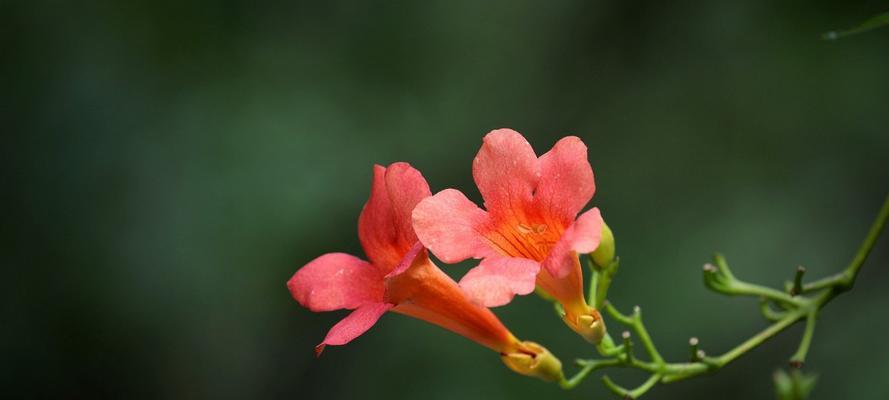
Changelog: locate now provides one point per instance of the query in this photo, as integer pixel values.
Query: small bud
(532, 359)
(628, 346)
(604, 254)
(797, 288)
(590, 326)
(693, 345)
(718, 277)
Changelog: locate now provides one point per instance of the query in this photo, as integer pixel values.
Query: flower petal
(448, 225)
(423, 291)
(506, 171)
(566, 181)
(354, 325)
(334, 281)
(384, 226)
(497, 280)
(581, 237)
(408, 260)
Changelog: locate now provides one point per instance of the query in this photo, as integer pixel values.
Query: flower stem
(799, 357)
(796, 308)
(844, 280)
(635, 321)
(587, 366)
(602, 281)
(768, 312)
(631, 394)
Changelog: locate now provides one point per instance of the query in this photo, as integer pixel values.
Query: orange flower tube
(401, 278)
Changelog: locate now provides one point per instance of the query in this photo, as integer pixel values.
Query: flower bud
(604, 254)
(532, 359)
(590, 326)
(719, 277)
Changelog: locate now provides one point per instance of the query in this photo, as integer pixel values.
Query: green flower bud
(604, 254)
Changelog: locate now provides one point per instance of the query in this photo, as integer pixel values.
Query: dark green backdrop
(168, 165)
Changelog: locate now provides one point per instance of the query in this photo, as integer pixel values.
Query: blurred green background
(168, 165)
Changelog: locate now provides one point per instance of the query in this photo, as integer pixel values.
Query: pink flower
(531, 232)
(401, 278)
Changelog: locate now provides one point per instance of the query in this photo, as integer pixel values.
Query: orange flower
(401, 278)
(531, 233)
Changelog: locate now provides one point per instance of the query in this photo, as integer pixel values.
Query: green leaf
(874, 22)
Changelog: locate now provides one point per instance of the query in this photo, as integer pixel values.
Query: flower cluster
(529, 235)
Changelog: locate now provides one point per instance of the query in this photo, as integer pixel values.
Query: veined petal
(448, 225)
(354, 325)
(566, 181)
(384, 227)
(496, 280)
(334, 281)
(581, 237)
(506, 171)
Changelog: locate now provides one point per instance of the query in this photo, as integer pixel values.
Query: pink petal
(448, 225)
(354, 325)
(497, 280)
(566, 181)
(334, 281)
(408, 260)
(580, 238)
(384, 226)
(506, 171)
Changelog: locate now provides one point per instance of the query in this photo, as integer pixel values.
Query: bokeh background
(168, 165)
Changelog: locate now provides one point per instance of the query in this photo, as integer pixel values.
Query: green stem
(680, 371)
(603, 282)
(639, 391)
(797, 308)
(587, 366)
(757, 339)
(594, 283)
(750, 289)
(768, 312)
(607, 348)
(799, 357)
(631, 394)
(735, 287)
(844, 280)
(635, 321)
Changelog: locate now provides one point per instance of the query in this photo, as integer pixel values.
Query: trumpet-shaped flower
(530, 232)
(401, 278)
